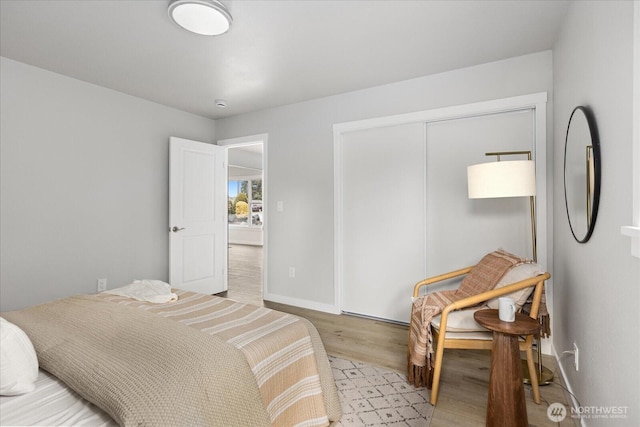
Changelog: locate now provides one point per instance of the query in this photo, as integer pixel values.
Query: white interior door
(197, 216)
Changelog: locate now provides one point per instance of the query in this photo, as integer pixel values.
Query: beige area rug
(373, 396)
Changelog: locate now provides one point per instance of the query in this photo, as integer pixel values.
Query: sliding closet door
(405, 211)
(383, 200)
(460, 229)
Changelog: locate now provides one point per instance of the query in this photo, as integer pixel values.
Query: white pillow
(18, 361)
(516, 274)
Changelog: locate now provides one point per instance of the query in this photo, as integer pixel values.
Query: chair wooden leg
(533, 374)
(437, 369)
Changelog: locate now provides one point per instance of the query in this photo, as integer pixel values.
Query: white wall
(597, 284)
(300, 153)
(84, 185)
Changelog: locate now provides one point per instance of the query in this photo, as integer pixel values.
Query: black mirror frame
(595, 142)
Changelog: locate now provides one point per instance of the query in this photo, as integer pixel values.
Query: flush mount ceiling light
(205, 17)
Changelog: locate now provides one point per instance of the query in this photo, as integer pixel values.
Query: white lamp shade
(515, 178)
(205, 17)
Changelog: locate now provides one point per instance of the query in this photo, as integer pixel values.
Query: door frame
(536, 102)
(251, 140)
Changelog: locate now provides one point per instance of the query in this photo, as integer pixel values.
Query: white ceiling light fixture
(205, 17)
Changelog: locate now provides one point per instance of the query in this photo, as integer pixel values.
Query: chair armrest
(440, 278)
(473, 300)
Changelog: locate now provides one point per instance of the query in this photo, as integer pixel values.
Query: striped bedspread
(277, 347)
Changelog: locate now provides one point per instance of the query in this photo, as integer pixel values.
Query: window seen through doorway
(245, 202)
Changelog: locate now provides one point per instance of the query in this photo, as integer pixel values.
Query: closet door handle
(175, 229)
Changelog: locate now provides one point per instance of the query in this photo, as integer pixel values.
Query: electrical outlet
(575, 357)
(102, 285)
(292, 272)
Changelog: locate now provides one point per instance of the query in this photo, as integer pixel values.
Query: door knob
(176, 229)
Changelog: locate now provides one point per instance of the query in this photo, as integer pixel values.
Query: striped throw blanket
(199, 361)
(484, 276)
(277, 347)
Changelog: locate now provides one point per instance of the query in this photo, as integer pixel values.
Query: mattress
(52, 403)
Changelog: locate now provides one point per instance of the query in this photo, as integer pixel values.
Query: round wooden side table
(506, 405)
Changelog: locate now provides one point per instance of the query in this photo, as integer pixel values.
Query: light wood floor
(245, 274)
(465, 376)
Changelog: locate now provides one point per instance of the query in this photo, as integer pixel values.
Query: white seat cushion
(460, 321)
(478, 336)
(461, 325)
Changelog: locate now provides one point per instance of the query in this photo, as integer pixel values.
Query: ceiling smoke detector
(205, 17)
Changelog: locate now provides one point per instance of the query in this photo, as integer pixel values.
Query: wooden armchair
(477, 337)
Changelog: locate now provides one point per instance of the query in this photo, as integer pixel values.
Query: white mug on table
(506, 309)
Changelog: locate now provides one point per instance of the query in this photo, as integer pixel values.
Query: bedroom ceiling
(276, 52)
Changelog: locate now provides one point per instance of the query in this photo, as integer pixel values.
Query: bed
(200, 360)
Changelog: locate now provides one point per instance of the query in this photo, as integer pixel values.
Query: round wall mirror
(582, 173)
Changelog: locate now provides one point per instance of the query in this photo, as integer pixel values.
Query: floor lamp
(514, 178)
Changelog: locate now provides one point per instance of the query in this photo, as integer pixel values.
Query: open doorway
(247, 218)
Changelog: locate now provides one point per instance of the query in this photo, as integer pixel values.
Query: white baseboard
(563, 373)
(303, 303)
